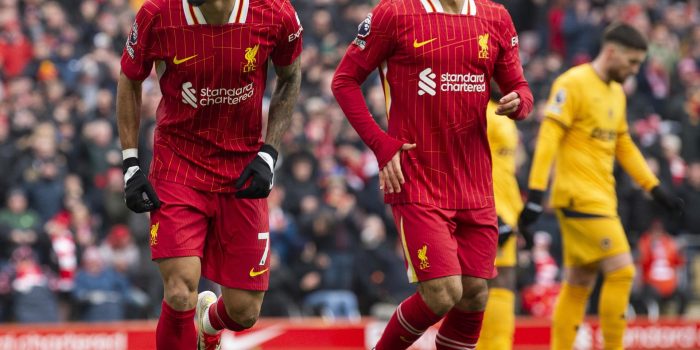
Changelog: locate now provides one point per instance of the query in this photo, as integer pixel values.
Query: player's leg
(236, 257)
(175, 330)
(178, 230)
(477, 238)
(499, 317)
(431, 259)
(570, 307)
(618, 274)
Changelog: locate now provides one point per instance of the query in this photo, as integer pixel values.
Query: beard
(617, 76)
(196, 2)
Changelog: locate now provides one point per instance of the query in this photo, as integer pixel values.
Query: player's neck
(452, 6)
(600, 69)
(217, 11)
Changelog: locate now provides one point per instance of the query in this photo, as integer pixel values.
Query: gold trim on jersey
(468, 8)
(412, 277)
(194, 15)
(383, 69)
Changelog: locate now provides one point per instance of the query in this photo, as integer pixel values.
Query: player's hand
(505, 231)
(262, 171)
(532, 211)
(529, 239)
(667, 200)
(138, 192)
(391, 177)
(508, 104)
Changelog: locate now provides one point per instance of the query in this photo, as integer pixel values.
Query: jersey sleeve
(375, 39)
(508, 71)
(632, 160)
(548, 141)
(561, 105)
(289, 42)
(138, 55)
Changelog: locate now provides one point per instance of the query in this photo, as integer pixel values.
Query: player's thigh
(506, 278)
(507, 253)
(477, 237)
(180, 280)
(236, 254)
(430, 249)
(588, 239)
(179, 227)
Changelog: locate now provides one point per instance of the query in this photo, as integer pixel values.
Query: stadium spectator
(661, 262)
(19, 225)
(690, 192)
(101, 291)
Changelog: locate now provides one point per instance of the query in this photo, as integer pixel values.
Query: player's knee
(475, 294)
(245, 315)
(624, 274)
(441, 294)
(180, 293)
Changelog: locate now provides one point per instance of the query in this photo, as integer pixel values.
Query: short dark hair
(625, 35)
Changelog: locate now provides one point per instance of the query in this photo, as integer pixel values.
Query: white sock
(206, 325)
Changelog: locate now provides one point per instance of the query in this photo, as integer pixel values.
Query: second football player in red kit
(436, 59)
(213, 162)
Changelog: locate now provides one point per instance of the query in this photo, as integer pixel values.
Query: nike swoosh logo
(417, 44)
(254, 273)
(176, 61)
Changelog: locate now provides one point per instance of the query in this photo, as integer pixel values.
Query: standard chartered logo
(188, 94)
(450, 82)
(426, 82)
(209, 97)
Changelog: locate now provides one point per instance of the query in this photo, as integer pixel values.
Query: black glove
(261, 169)
(529, 239)
(667, 200)
(138, 192)
(504, 231)
(532, 210)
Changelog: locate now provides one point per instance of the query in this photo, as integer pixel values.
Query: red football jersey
(436, 69)
(209, 121)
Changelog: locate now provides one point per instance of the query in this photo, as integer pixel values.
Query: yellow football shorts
(588, 238)
(506, 256)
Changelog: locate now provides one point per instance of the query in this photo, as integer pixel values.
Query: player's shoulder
(162, 9)
(575, 76)
(492, 10)
(282, 6)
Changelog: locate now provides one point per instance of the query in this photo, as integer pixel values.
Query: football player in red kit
(436, 59)
(213, 160)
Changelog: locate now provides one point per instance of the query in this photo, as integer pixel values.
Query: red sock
(175, 330)
(219, 318)
(407, 324)
(460, 330)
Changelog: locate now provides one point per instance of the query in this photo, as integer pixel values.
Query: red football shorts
(230, 235)
(447, 242)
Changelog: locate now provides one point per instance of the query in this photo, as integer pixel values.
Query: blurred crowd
(70, 249)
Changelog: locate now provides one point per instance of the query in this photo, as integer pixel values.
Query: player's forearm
(548, 140)
(346, 89)
(282, 103)
(633, 162)
(128, 111)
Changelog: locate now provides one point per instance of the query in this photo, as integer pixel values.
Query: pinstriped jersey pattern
(435, 69)
(212, 77)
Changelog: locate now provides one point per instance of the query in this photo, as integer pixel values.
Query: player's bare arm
(261, 169)
(283, 100)
(128, 111)
(138, 192)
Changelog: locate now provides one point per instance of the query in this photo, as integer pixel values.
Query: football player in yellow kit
(585, 130)
(499, 318)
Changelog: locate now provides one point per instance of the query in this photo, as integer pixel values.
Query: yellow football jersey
(503, 139)
(585, 129)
